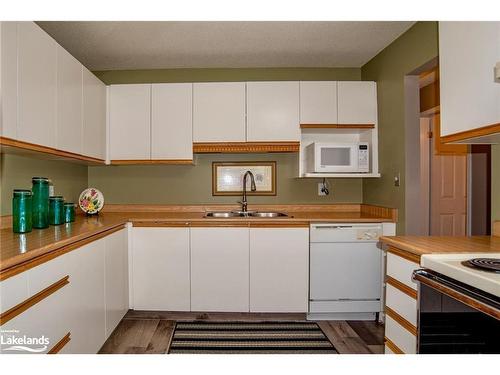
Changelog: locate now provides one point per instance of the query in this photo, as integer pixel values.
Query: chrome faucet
(244, 203)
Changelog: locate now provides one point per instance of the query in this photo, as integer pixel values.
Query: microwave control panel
(363, 158)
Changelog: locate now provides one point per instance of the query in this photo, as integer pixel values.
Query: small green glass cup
(69, 212)
(56, 210)
(40, 202)
(22, 214)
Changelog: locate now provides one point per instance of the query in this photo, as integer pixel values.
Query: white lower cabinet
(160, 269)
(279, 269)
(220, 269)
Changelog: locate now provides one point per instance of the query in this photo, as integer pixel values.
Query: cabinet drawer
(400, 336)
(13, 291)
(48, 273)
(401, 303)
(401, 269)
(388, 350)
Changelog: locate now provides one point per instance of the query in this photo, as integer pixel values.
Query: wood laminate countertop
(16, 250)
(419, 245)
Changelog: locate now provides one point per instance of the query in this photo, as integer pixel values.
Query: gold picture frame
(227, 177)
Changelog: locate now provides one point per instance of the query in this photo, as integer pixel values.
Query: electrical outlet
(397, 179)
(320, 191)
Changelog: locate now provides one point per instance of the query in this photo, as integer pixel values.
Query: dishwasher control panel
(335, 232)
(368, 234)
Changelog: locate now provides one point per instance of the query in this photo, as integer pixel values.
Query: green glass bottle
(56, 210)
(40, 202)
(69, 212)
(22, 204)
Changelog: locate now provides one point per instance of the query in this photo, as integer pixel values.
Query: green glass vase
(40, 191)
(56, 210)
(22, 205)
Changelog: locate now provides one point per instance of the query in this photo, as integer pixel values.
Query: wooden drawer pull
(401, 321)
(25, 305)
(401, 286)
(394, 348)
(60, 344)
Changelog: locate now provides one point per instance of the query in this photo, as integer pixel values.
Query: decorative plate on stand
(91, 201)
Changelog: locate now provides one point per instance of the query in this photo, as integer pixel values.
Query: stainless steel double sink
(235, 214)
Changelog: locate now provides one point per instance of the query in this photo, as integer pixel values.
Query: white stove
(451, 265)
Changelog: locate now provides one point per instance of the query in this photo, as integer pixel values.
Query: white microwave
(338, 157)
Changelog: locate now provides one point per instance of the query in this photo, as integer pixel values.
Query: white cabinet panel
(172, 121)
(69, 102)
(130, 122)
(219, 269)
(357, 102)
(470, 97)
(37, 82)
(273, 111)
(401, 269)
(94, 116)
(318, 102)
(116, 278)
(160, 269)
(13, 291)
(8, 79)
(219, 112)
(402, 338)
(279, 269)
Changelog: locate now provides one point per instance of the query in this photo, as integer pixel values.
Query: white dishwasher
(346, 270)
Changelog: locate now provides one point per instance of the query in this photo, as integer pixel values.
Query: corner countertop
(17, 250)
(420, 245)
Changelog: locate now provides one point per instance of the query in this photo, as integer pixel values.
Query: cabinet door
(69, 102)
(94, 116)
(160, 267)
(219, 269)
(172, 121)
(37, 82)
(318, 102)
(219, 112)
(357, 102)
(469, 95)
(279, 269)
(8, 79)
(116, 278)
(130, 122)
(273, 111)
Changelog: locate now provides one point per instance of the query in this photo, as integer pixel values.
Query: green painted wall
(69, 179)
(192, 184)
(228, 75)
(411, 50)
(157, 184)
(495, 182)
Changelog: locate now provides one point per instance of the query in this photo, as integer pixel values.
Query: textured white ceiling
(156, 45)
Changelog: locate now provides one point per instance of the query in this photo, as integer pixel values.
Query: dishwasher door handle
(333, 227)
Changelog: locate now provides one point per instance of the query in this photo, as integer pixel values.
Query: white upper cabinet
(37, 85)
(8, 79)
(69, 102)
(94, 116)
(357, 102)
(130, 122)
(172, 121)
(219, 112)
(273, 111)
(279, 274)
(318, 102)
(470, 97)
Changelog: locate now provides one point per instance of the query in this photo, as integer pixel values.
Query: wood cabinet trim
(404, 254)
(401, 287)
(18, 268)
(472, 133)
(337, 126)
(31, 147)
(245, 147)
(154, 161)
(25, 305)
(394, 348)
(219, 223)
(60, 344)
(401, 321)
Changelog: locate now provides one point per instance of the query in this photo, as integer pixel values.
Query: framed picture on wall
(227, 177)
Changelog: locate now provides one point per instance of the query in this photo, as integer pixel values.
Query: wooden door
(448, 203)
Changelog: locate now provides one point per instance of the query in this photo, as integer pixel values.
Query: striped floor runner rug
(250, 338)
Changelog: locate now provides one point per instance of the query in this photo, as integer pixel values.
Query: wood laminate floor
(150, 332)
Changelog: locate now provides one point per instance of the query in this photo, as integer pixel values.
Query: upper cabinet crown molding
(219, 112)
(273, 111)
(470, 96)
